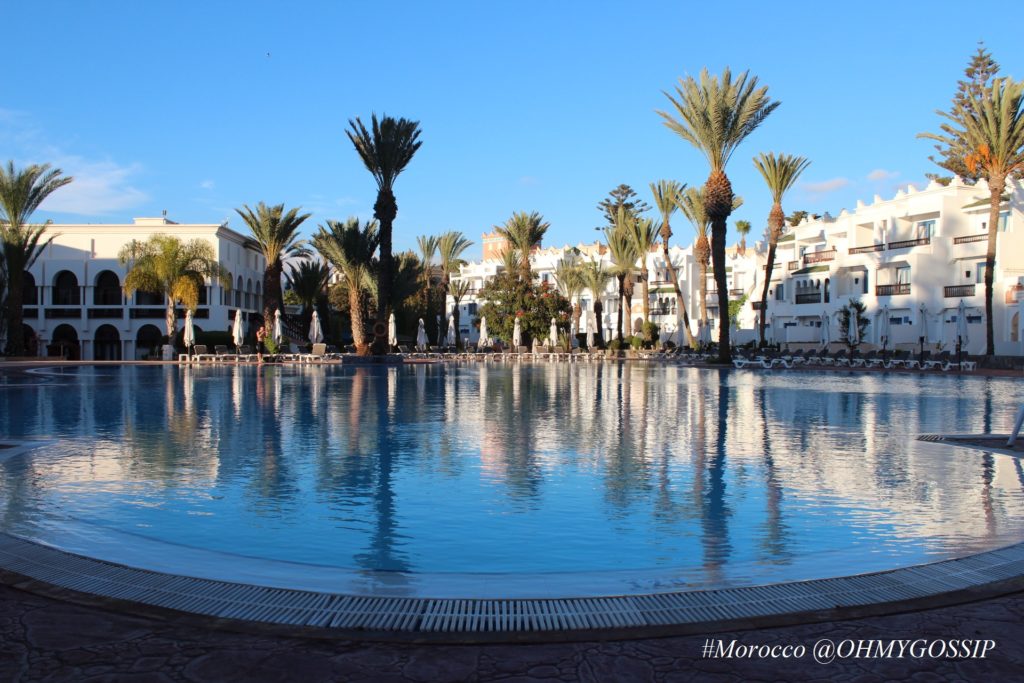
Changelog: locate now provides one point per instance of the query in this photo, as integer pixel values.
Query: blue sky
(198, 108)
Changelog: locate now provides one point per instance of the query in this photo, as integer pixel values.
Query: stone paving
(42, 639)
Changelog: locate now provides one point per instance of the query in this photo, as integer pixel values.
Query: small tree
(507, 297)
(850, 314)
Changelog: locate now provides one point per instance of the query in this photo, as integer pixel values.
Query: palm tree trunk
(598, 320)
(455, 317)
(764, 292)
(385, 209)
(718, 228)
(271, 290)
(629, 304)
(644, 292)
(577, 312)
(15, 314)
(703, 291)
(995, 186)
(169, 319)
(622, 298)
(680, 302)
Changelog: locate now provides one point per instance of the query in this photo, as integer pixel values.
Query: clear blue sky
(197, 108)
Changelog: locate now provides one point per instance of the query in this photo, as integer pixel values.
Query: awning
(810, 269)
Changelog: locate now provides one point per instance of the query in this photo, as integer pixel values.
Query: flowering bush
(507, 297)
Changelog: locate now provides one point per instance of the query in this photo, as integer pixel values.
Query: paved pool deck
(43, 639)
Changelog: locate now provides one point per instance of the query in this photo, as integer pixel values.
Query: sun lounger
(200, 354)
(317, 354)
(223, 353)
(939, 361)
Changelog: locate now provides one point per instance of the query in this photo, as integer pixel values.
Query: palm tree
(450, 246)
(569, 278)
(21, 193)
(595, 278)
(349, 247)
(277, 234)
(743, 229)
(667, 194)
(715, 116)
(458, 289)
(386, 149)
(178, 270)
(308, 281)
(780, 173)
(428, 249)
(624, 256)
(991, 134)
(524, 232)
(643, 234)
(691, 203)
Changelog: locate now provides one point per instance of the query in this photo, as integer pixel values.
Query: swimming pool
(498, 480)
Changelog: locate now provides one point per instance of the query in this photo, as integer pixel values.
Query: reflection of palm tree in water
(714, 511)
(774, 542)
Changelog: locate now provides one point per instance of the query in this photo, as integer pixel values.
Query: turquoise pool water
(495, 479)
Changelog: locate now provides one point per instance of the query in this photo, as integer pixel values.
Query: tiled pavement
(42, 639)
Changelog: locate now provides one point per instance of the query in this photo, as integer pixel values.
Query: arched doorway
(238, 292)
(65, 289)
(29, 293)
(64, 343)
(31, 340)
(827, 293)
(107, 344)
(1015, 328)
(147, 342)
(107, 291)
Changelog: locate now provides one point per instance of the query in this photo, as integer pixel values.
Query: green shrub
(650, 332)
(636, 341)
(615, 344)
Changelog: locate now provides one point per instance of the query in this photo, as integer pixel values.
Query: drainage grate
(465, 618)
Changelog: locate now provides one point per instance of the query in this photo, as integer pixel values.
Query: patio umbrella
(680, 332)
(237, 335)
(826, 330)
(770, 332)
(484, 337)
(278, 334)
(316, 335)
(421, 337)
(883, 327)
(392, 331)
(961, 329)
(922, 327)
(450, 339)
(517, 335)
(188, 334)
(854, 332)
(439, 330)
(591, 330)
(553, 334)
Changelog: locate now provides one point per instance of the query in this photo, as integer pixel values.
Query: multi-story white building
(74, 303)
(917, 255)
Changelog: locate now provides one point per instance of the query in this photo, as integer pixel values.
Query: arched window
(238, 292)
(107, 291)
(65, 343)
(248, 293)
(826, 290)
(258, 303)
(65, 289)
(29, 293)
(225, 292)
(147, 341)
(107, 345)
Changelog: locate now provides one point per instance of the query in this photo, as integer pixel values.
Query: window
(779, 292)
(979, 271)
(925, 229)
(472, 309)
(1004, 221)
(864, 287)
(903, 275)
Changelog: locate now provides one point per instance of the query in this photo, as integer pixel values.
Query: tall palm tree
(349, 247)
(990, 132)
(428, 249)
(644, 235)
(178, 270)
(308, 281)
(667, 195)
(780, 173)
(595, 278)
(569, 278)
(715, 116)
(624, 256)
(524, 232)
(277, 234)
(450, 246)
(386, 149)
(743, 229)
(21, 193)
(691, 203)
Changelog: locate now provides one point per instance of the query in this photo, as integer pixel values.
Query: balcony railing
(958, 291)
(819, 256)
(793, 265)
(775, 265)
(809, 298)
(62, 312)
(892, 290)
(106, 313)
(30, 313)
(756, 305)
(906, 244)
(967, 239)
(868, 249)
(735, 292)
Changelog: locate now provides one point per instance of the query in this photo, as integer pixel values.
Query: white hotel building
(74, 303)
(915, 255)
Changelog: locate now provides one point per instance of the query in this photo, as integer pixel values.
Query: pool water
(485, 479)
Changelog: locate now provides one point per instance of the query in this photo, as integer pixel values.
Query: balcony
(793, 265)
(958, 291)
(967, 239)
(756, 305)
(736, 292)
(106, 313)
(29, 313)
(147, 313)
(819, 256)
(808, 298)
(868, 249)
(62, 313)
(892, 290)
(907, 244)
